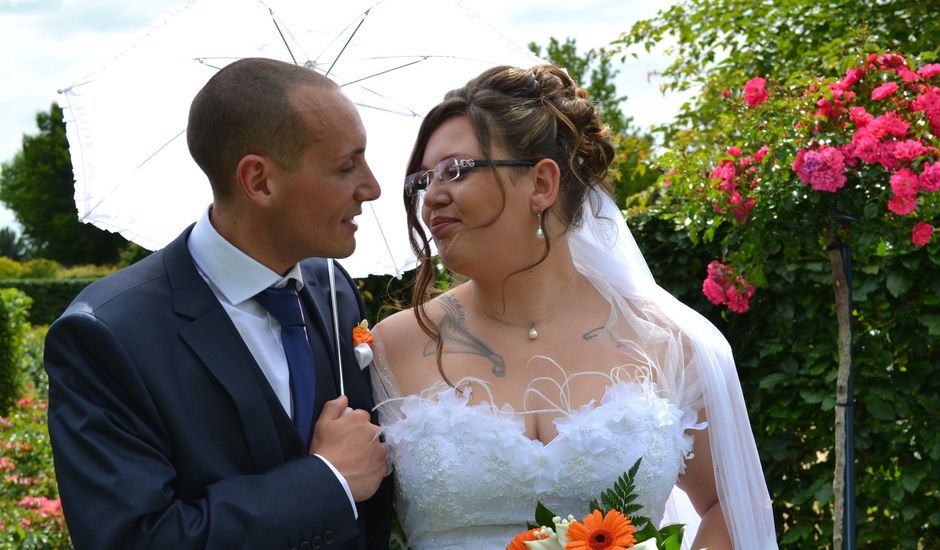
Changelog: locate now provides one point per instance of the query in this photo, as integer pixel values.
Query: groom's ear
(252, 179)
(546, 181)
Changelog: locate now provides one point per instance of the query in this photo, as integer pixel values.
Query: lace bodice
(468, 477)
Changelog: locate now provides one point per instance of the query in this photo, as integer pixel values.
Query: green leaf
(773, 379)
(910, 482)
(880, 409)
(544, 516)
(932, 322)
(812, 396)
(898, 283)
(622, 497)
(896, 492)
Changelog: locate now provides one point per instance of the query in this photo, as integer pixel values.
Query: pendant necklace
(533, 329)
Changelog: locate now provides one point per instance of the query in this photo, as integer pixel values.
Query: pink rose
(902, 205)
(904, 183)
(719, 272)
(884, 91)
(761, 153)
(886, 156)
(860, 116)
(922, 233)
(725, 93)
(866, 146)
(739, 295)
(851, 77)
(733, 151)
(888, 124)
(890, 61)
(929, 71)
(907, 75)
(755, 92)
(929, 178)
(910, 149)
(720, 289)
(713, 292)
(823, 169)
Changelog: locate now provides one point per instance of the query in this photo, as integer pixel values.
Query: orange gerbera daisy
(613, 531)
(518, 543)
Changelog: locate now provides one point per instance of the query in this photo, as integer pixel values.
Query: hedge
(14, 309)
(50, 296)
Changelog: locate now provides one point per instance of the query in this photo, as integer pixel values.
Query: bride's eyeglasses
(451, 170)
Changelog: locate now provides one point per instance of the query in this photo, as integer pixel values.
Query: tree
(723, 43)
(11, 245)
(594, 72)
(37, 185)
(783, 224)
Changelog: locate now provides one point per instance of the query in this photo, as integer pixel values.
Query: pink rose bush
(30, 509)
(894, 137)
(863, 145)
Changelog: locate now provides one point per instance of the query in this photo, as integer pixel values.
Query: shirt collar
(236, 275)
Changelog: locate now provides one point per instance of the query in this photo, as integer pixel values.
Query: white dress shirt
(235, 278)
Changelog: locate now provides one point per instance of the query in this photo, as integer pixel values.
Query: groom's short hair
(245, 108)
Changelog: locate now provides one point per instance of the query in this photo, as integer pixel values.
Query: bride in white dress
(558, 362)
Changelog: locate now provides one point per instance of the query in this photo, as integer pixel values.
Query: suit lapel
(214, 339)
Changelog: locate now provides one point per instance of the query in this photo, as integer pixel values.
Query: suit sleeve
(116, 474)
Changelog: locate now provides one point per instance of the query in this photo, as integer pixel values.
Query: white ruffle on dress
(468, 477)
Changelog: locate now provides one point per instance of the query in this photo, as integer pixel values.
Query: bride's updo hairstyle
(533, 114)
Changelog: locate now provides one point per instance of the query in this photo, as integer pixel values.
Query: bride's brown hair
(534, 114)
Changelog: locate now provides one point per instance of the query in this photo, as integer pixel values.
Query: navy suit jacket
(166, 434)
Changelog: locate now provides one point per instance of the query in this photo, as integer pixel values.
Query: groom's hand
(351, 443)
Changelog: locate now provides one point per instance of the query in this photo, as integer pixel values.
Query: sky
(46, 45)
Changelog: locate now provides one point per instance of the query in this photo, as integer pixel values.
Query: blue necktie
(284, 305)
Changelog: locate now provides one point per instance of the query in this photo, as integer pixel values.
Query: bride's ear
(547, 178)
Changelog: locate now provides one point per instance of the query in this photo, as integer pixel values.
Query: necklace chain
(533, 333)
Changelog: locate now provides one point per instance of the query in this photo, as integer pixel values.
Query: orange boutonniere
(361, 333)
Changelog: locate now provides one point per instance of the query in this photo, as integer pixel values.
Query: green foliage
(594, 71)
(384, 295)
(786, 352)
(622, 497)
(786, 344)
(131, 253)
(37, 186)
(10, 269)
(40, 268)
(49, 297)
(11, 245)
(716, 44)
(14, 310)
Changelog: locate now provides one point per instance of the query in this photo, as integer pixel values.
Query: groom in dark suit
(179, 412)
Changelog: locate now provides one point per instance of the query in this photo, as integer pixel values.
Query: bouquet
(612, 523)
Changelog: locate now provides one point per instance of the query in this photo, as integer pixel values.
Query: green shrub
(40, 268)
(10, 269)
(50, 296)
(786, 352)
(31, 369)
(87, 271)
(14, 310)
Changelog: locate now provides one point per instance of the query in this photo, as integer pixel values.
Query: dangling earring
(540, 232)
